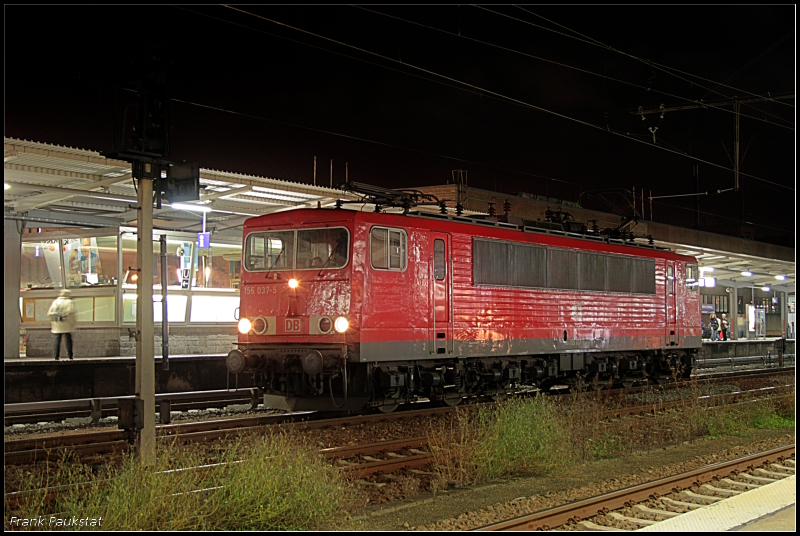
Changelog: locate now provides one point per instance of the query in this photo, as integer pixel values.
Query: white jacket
(63, 308)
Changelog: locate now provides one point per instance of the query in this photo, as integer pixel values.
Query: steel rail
(601, 504)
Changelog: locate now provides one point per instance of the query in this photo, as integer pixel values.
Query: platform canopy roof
(54, 186)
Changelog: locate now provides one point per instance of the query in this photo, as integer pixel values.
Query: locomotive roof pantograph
(386, 197)
(556, 222)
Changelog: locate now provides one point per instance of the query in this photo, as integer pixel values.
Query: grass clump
(264, 483)
(535, 435)
(739, 419)
(516, 436)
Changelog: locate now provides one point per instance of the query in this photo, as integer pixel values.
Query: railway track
(103, 407)
(102, 442)
(98, 408)
(646, 504)
(22, 451)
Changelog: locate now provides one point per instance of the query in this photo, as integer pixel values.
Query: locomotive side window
(438, 259)
(618, 273)
(644, 276)
(692, 281)
(318, 248)
(591, 271)
(502, 263)
(670, 280)
(269, 251)
(562, 268)
(388, 249)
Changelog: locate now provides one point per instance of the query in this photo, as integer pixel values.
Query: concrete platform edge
(734, 512)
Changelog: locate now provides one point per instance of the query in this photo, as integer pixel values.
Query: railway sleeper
(652, 513)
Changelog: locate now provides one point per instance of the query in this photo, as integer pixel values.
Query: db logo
(291, 325)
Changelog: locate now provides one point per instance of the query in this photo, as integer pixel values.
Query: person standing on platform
(714, 327)
(723, 325)
(63, 316)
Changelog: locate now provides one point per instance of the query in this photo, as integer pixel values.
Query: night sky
(253, 96)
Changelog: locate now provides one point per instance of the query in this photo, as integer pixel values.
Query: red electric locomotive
(343, 309)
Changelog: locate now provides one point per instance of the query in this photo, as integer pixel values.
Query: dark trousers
(57, 344)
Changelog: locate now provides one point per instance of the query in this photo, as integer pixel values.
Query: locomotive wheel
(451, 401)
(388, 409)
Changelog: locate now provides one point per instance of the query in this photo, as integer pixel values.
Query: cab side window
(670, 281)
(692, 277)
(438, 259)
(388, 249)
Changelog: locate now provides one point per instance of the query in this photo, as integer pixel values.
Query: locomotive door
(671, 334)
(441, 292)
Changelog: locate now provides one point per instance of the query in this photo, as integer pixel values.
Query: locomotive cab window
(692, 275)
(305, 249)
(322, 248)
(388, 249)
(272, 250)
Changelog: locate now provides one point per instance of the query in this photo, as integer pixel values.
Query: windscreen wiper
(329, 260)
(274, 263)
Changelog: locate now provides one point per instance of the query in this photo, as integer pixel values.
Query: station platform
(41, 379)
(768, 508)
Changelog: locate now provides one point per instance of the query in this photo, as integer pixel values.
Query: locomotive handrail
(433, 306)
(452, 307)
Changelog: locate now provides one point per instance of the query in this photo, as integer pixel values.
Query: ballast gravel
(469, 508)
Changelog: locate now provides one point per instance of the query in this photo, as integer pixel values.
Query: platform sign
(185, 254)
(706, 308)
(185, 278)
(203, 240)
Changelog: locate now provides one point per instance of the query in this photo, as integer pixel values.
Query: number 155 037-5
(261, 290)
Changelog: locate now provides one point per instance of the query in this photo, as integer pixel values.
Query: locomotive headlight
(293, 283)
(244, 326)
(341, 324)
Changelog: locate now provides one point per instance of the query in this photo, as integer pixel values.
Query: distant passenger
(316, 262)
(724, 328)
(63, 316)
(714, 327)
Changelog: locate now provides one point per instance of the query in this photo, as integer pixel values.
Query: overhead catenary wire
(373, 141)
(595, 42)
(567, 66)
(510, 99)
(658, 66)
(754, 60)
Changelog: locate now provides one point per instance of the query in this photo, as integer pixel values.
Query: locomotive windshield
(305, 249)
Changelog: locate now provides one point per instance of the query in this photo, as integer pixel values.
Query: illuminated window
(388, 249)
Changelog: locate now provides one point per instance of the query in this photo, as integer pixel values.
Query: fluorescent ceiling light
(710, 282)
(747, 274)
(196, 208)
(7, 186)
(706, 268)
(765, 289)
(780, 277)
